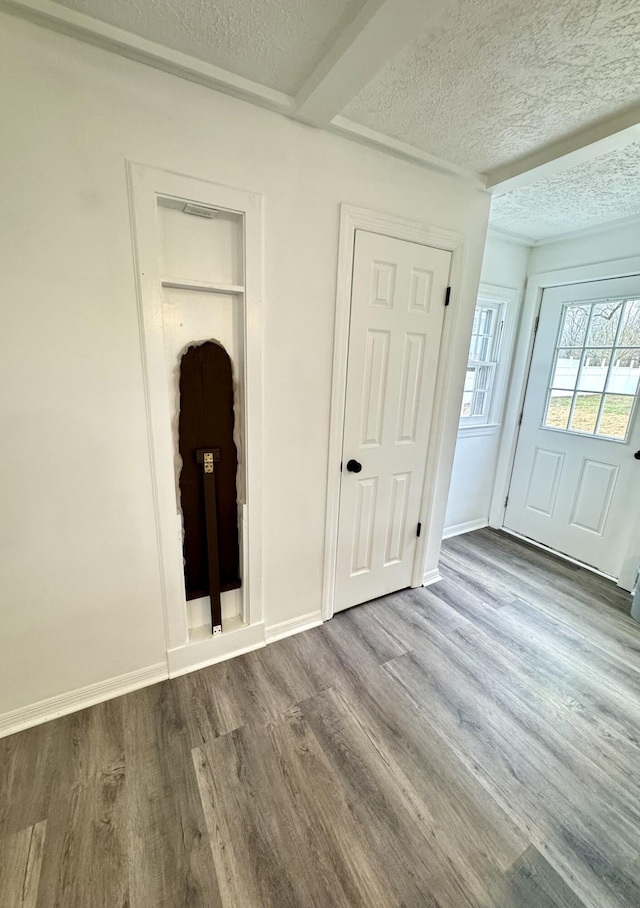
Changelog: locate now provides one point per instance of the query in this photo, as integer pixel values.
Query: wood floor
(472, 745)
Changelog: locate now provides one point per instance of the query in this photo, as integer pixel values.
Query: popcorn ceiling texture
(275, 42)
(605, 189)
(492, 80)
(485, 82)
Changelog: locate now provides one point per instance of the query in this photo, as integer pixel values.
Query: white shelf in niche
(203, 286)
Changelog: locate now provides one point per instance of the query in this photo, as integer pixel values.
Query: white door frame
(535, 287)
(353, 218)
(145, 185)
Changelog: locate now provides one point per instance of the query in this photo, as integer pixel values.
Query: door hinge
(419, 530)
(506, 501)
(341, 466)
(535, 327)
(520, 418)
(447, 296)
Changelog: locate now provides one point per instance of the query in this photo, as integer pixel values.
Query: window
(480, 381)
(594, 381)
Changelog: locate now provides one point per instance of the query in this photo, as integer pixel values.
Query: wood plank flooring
(472, 745)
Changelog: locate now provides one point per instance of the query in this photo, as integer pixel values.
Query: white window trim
(508, 298)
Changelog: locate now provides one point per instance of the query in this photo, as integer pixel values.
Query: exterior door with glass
(576, 480)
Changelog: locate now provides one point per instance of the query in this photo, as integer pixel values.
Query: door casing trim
(354, 218)
(517, 384)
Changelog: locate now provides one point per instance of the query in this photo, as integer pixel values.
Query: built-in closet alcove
(202, 278)
(198, 260)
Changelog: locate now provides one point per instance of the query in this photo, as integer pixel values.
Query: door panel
(575, 473)
(396, 524)
(375, 385)
(397, 311)
(544, 481)
(411, 388)
(593, 495)
(364, 523)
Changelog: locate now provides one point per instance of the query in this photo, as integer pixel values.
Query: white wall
(604, 246)
(79, 579)
(504, 265)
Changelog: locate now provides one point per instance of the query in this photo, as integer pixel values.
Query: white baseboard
(181, 660)
(293, 626)
(200, 653)
(54, 707)
(459, 528)
(431, 577)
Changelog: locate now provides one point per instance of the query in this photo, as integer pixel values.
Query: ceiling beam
(86, 28)
(608, 135)
(379, 31)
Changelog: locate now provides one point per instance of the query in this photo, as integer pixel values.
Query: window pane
(558, 409)
(483, 321)
(595, 367)
(585, 413)
(598, 354)
(479, 349)
(630, 331)
(483, 377)
(481, 365)
(574, 326)
(604, 324)
(478, 403)
(566, 370)
(623, 376)
(616, 413)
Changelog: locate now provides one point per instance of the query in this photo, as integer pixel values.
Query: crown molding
(358, 133)
(107, 37)
(500, 234)
(589, 231)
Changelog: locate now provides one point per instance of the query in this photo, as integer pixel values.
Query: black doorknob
(637, 455)
(353, 466)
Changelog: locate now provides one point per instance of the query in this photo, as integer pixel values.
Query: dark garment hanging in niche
(206, 422)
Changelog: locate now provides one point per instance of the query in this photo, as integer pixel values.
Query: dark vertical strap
(211, 520)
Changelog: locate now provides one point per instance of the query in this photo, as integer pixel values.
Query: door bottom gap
(548, 548)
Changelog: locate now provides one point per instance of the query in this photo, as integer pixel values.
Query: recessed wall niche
(198, 269)
(202, 295)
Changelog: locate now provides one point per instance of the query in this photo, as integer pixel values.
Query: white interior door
(397, 311)
(576, 483)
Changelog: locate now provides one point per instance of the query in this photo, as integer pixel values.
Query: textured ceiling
(483, 83)
(604, 189)
(492, 80)
(274, 42)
